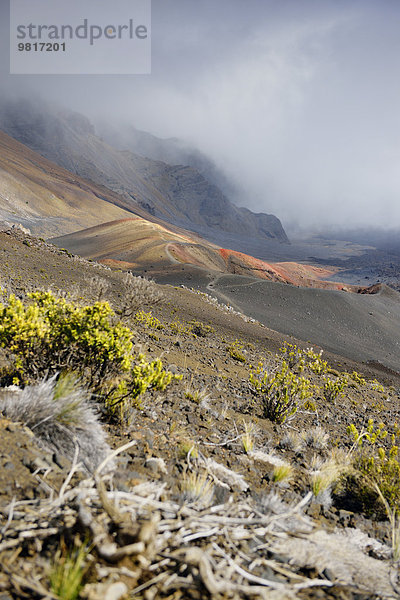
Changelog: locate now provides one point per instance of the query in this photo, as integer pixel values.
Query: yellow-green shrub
(235, 351)
(359, 379)
(143, 376)
(315, 362)
(293, 355)
(376, 460)
(147, 318)
(333, 388)
(49, 334)
(279, 391)
(200, 329)
(178, 328)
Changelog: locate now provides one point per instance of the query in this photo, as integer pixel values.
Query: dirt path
(172, 258)
(220, 295)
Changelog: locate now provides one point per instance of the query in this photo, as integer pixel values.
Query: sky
(296, 101)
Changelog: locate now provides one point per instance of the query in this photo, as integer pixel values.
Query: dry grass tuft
(197, 488)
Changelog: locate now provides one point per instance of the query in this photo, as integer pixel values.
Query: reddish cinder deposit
(135, 243)
(285, 272)
(243, 264)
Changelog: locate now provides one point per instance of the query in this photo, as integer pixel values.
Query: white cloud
(296, 101)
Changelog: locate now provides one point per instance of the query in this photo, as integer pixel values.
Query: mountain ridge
(177, 194)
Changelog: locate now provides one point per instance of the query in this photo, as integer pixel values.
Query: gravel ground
(197, 425)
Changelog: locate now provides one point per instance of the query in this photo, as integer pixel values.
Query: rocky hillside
(45, 198)
(172, 151)
(140, 245)
(214, 489)
(95, 222)
(50, 200)
(178, 194)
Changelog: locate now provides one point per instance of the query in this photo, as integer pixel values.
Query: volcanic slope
(51, 201)
(363, 326)
(138, 244)
(132, 243)
(207, 427)
(178, 194)
(46, 198)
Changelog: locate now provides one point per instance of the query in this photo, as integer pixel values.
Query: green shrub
(293, 355)
(147, 319)
(357, 378)
(50, 334)
(235, 351)
(333, 388)
(376, 462)
(143, 376)
(298, 359)
(178, 328)
(67, 252)
(376, 386)
(280, 392)
(199, 329)
(315, 362)
(47, 335)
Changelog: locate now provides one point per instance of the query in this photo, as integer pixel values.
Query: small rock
(104, 591)
(149, 437)
(314, 510)
(330, 574)
(39, 463)
(26, 462)
(116, 591)
(157, 465)
(346, 517)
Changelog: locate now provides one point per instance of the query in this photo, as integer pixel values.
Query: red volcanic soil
(285, 272)
(233, 262)
(312, 276)
(133, 242)
(243, 264)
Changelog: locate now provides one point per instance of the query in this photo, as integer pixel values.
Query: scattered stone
(157, 465)
(346, 517)
(104, 591)
(226, 477)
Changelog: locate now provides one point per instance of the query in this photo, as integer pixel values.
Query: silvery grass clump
(315, 438)
(58, 412)
(138, 292)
